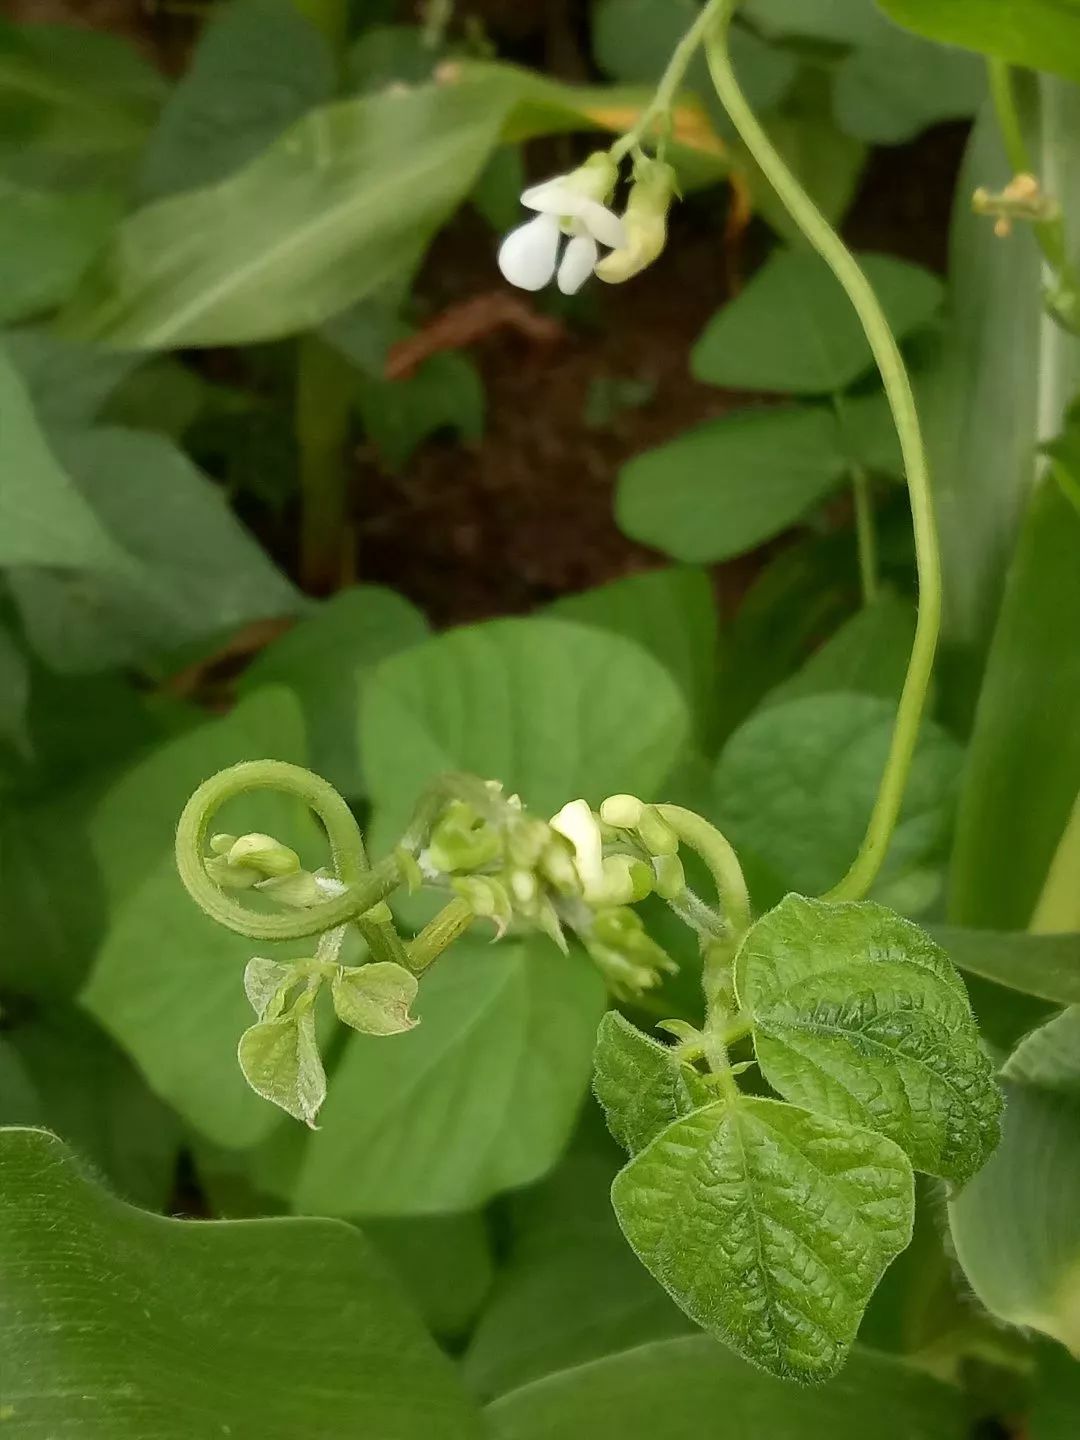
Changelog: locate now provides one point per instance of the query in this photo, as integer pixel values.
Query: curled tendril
(366, 886)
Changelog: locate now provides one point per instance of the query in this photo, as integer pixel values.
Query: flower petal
(552, 197)
(603, 224)
(528, 254)
(578, 260)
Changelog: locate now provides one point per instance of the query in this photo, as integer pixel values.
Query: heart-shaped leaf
(280, 1060)
(858, 1013)
(375, 999)
(769, 1226)
(640, 1084)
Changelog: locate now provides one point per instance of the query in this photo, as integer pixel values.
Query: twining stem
(865, 534)
(831, 248)
(324, 394)
(659, 107)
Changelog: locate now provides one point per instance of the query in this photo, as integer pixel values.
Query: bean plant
(626, 1028)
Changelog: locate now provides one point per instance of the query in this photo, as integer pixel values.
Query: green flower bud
(557, 866)
(229, 877)
(525, 841)
(656, 834)
(302, 890)
(487, 898)
(413, 875)
(622, 811)
(263, 854)
(644, 222)
(626, 880)
(670, 876)
(462, 841)
(221, 844)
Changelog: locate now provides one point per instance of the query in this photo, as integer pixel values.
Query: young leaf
(263, 981)
(793, 329)
(375, 999)
(280, 1060)
(770, 1226)
(118, 1325)
(640, 1084)
(728, 484)
(859, 1014)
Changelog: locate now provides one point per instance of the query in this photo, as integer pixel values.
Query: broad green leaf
(1016, 1225)
(68, 383)
(1023, 771)
(192, 571)
(167, 982)
(446, 393)
(1041, 34)
(444, 1263)
(867, 655)
(44, 520)
(794, 330)
(1043, 965)
(844, 22)
(676, 1388)
(325, 660)
(1049, 1058)
(796, 783)
(292, 1327)
(280, 1060)
(726, 485)
(671, 613)
(769, 1226)
(571, 1290)
(479, 1098)
(639, 1083)
(384, 55)
(259, 66)
(552, 709)
(896, 86)
(83, 1088)
(75, 103)
(375, 999)
(14, 696)
(47, 239)
(859, 1014)
(869, 432)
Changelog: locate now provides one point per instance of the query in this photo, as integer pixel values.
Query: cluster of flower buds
(259, 862)
(574, 222)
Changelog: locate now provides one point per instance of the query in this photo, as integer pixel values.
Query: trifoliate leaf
(640, 1084)
(280, 1060)
(264, 982)
(375, 999)
(859, 1014)
(769, 1226)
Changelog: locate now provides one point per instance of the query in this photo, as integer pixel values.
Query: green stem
(365, 887)
(1049, 233)
(894, 376)
(438, 935)
(659, 107)
(324, 394)
(865, 533)
(719, 855)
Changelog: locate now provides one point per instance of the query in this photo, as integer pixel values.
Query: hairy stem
(894, 376)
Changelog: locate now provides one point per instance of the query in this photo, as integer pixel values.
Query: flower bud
(644, 221)
(656, 834)
(487, 898)
(263, 854)
(580, 826)
(626, 880)
(669, 875)
(622, 811)
(462, 841)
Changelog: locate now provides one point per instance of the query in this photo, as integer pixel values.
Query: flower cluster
(574, 221)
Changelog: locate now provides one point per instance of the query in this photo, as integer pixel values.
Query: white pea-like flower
(571, 206)
(577, 823)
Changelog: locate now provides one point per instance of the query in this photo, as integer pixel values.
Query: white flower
(570, 205)
(577, 823)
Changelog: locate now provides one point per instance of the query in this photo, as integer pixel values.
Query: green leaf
(291, 1326)
(640, 1084)
(671, 613)
(68, 384)
(1043, 965)
(259, 66)
(14, 696)
(76, 105)
(859, 1014)
(571, 1290)
(725, 486)
(1016, 1225)
(890, 90)
(867, 655)
(446, 393)
(192, 570)
(325, 661)
(375, 999)
(843, 22)
(1023, 771)
(550, 708)
(794, 330)
(1049, 1057)
(47, 239)
(796, 783)
(769, 1226)
(346, 200)
(384, 55)
(444, 1263)
(1041, 34)
(676, 1388)
(43, 518)
(507, 1032)
(266, 983)
(82, 1087)
(280, 1060)
(167, 982)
